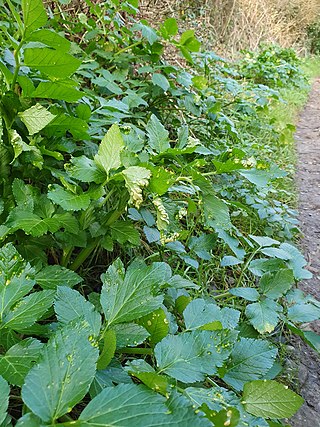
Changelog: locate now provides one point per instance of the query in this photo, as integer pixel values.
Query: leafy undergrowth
(167, 181)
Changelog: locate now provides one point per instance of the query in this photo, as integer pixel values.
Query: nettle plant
(108, 152)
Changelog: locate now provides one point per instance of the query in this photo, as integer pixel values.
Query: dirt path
(308, 178)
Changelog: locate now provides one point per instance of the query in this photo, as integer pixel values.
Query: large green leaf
(157, 325)
(263, 315)
(136, 405)
(128, 296)
(193, 355)
(108, 156)
(30, 223)
(158, 135)
(136, 177)
(250, 360)
(125, 231)
(34, 14)
(70, 305)
(54, 275)
(16, 278)
(4, 399)
(50, 38)
(275, 285)
(85, 170)
(28, 310)
(270, 399)
(216, 212)
(130, 334)
(36, 118)
(18, 360)
(56, 90)
(29, 420)
(52, 62)
(67, 200)
(63, 375)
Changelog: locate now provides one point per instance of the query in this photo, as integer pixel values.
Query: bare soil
(308, 180)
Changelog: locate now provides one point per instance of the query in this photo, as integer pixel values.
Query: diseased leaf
(63, 375)
(54, 275)
(128, 296)
(36, 118)
(194, 354)
(51, 62)
(70, 305)
(18, 360)
(111, 146)
(250, 360)
(270, 399)
(263, 315)
(108, 350)
(130, 334)
(275, 285)
(85, 170)
(136, 177)
(156, 324)
(30, 223)
(67, 200)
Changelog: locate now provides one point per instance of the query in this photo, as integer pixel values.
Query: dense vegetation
(147, 268)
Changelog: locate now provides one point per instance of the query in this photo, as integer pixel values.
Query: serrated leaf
(125, 231)
(27, 311)
(216, 212)
(158, 136)
(249, 294)
(70, 305)
(275, 285)
(55, 90)
(194, 354)
(250, 360)
(263, 315)
(156, 324)
(18, 360)
(34, 14)
(128, 296)
(29, 222)
(67, 200)
(85, 170)
(54, 275)
(137, 405)
(52, 62)
(50, 38)
(4, 398)
(276, 253)
(136, 178)
(36, 118)
(130, 334)
(199, 313)
(63, 376)
(269, 399)
(111, 146)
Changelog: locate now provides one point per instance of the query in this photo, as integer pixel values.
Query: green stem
(66, 256)
(83, 255)
(127, 48)
(247, 264)
(131, 350)
(18, 65)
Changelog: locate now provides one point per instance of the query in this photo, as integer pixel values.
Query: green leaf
(19, 359)
(194, 354)
(85, 170)
(275, 285)
(155, 382)
(67, 200)
(138, 406)
(216, 212)
(264, 240)
(111, 146)
(62, 377)
(249, 294)
(250, 360)
(50, 38)
(258, 177)
(199, 313)
(156, 324)
(34, 14)
(130, 334)
(269, 399)
(70, 305)
(54, 275)
(52, 62)
(125, 231)
(170, 27)
(4, 399)
(56, 90)
(108, 350)
(29, 420)
(158, 136)
(128, 296)
(136, 177)
(161, 81)
(29, 310)
(263, 315)
(36, 118)
(28, 222)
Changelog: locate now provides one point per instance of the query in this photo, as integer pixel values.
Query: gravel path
(308, 179)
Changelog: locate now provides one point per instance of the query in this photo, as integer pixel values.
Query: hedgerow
(115, 160)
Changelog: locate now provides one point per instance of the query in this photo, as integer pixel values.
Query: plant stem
(17, 68)
(247, 264)
(83, 255)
